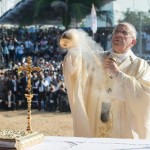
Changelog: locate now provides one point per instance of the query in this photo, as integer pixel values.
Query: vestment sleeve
(129, 88)
(134, 91)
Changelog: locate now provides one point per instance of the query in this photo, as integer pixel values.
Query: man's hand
(111, 66)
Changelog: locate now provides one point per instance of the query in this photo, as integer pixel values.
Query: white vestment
(129, 94)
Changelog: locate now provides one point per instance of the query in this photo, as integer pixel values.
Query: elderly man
(109, 92)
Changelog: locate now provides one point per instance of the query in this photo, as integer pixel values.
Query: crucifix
(29, 69)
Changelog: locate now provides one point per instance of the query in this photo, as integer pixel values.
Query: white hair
(130, 26)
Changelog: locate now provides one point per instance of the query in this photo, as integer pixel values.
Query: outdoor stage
(73, 143)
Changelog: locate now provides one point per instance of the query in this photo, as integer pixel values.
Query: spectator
(9, 101)
(41, 85)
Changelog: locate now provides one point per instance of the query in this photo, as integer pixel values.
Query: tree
(68, 10)
(134, 18)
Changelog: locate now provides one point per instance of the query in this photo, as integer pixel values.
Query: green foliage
(76, 9)
(134, 18)
(39, 6)
(106, 16)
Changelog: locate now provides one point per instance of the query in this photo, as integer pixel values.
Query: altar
(75, 143)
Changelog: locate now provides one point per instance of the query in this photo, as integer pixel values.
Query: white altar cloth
(74, 143)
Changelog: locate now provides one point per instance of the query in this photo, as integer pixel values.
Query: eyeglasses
(123, 32)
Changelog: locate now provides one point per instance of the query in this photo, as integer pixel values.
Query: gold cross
(28, 69)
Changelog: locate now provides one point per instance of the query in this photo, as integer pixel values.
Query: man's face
(122, 39)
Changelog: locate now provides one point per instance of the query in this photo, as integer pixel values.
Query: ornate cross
(28, 69)
(109, 90)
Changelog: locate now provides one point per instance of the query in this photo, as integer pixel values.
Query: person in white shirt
(48, 77)
(19, 52)
(41, 85)
(28, 46)
(9, 103)
(109, 91)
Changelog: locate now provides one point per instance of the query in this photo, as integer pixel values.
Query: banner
(93, 19)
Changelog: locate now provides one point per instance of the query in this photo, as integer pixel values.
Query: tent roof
(25, 9)
(14, 15)
(23, 14)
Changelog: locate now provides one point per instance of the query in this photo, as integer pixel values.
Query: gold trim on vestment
(104, 129)
(65, 43)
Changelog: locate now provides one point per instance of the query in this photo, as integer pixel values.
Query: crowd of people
(48, 85)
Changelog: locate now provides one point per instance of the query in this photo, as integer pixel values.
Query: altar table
(76, 143)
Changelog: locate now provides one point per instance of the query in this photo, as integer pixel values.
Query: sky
(135, 5)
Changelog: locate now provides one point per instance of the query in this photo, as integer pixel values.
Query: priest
(109, 92)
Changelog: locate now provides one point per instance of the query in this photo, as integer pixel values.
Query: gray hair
(130, 27)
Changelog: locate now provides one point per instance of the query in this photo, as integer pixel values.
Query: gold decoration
(11, 135)
(131, 59)
(105, 128)
(28, 69)
(113, 59)
(19, 139)
(65, 43)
